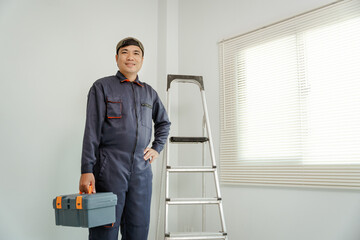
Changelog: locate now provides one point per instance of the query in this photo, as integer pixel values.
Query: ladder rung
(192, 201)
(191, 169)
(196, 235)
(188, 139)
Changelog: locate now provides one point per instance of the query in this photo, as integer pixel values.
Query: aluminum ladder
(222, 234)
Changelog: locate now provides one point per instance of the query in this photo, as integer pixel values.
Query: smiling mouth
(129, 64)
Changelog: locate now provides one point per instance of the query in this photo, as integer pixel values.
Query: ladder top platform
(185, 79)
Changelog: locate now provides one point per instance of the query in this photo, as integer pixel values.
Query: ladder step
(188, 139)
(191, 169)
(196, 235)
(192, 201)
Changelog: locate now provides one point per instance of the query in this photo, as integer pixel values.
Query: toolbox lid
(85, 201)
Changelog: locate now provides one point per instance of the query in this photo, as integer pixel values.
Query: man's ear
(116, 57)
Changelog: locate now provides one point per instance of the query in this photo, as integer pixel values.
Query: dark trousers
(132, 212)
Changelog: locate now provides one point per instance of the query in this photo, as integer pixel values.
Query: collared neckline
(124, 79)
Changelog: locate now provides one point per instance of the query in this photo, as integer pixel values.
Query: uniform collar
(124, 79)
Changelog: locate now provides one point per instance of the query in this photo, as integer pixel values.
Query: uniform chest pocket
(114, 108)
(146, 115)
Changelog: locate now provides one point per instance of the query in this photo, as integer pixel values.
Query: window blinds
(290, 101)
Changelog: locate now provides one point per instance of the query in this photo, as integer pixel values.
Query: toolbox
(85, 210)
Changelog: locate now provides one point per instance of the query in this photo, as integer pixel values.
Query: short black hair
(127, 42)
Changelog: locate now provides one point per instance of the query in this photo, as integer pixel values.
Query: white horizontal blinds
(333, 71)
(229, 121)
(268, 106)
(290, 105)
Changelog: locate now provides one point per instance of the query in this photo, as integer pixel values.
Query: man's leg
(136, 215)
(109, 232)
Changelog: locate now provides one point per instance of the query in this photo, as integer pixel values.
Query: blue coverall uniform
(117, 131)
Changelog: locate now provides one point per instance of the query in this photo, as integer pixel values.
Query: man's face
(129, 60)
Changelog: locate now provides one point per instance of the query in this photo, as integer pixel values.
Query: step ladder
(217, 200)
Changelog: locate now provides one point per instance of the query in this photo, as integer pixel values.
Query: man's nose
(130, 57)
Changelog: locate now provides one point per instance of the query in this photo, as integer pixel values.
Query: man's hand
(86, 180)
(150, 153)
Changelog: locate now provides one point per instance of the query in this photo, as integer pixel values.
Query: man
(116, 157)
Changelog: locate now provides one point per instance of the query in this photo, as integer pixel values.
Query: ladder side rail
(166, 219)
(207, 123)
(212, 153)
(166, 203)
(222, 217)
(211, 146)
(203, 177)
(163, 182)
(167, 163)
(162, 195)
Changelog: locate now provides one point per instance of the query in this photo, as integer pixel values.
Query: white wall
(51, 53)
(254, 213)
(167, 63)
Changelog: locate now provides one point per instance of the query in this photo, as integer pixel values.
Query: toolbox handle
(89, 191)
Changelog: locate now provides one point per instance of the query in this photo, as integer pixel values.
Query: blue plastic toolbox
(85, 210)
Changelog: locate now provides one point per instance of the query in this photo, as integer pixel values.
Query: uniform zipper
(137, 124)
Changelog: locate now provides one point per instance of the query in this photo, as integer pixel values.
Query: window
(290, 101)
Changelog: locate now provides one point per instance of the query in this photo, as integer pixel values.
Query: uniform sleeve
(95, 115)
(161, 125)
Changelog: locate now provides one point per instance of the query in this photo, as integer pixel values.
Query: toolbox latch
(79, 202)
(58, 202)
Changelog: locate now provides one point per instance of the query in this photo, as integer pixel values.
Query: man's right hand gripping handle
(86, 180)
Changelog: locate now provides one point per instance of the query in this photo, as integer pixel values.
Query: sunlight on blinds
(333, 101)
(290, 101)
(268, 108)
